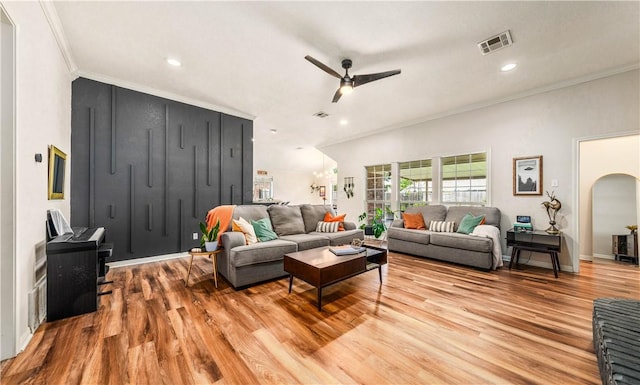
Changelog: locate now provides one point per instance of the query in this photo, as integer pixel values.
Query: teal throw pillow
(263, 229)
(469, 222)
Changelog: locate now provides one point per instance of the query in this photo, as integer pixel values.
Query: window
(378, 188)
(416, 184)
(464, 179)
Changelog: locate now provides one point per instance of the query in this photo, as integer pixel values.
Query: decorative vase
(211, 246)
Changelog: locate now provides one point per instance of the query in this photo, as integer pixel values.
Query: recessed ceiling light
(274, 131)
(174, 62)
(344, 122)
(508, 67)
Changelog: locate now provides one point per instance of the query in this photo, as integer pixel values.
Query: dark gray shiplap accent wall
(148, 169)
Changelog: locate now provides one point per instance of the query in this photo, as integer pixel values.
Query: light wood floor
(429, 322)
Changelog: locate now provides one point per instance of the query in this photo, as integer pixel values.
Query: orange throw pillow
(338, 218)
(413, 221)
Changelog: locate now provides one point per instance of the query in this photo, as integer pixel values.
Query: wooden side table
(208, 254)
(536, 240)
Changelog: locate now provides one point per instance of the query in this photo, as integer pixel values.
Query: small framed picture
(322, 191)
(527, 175)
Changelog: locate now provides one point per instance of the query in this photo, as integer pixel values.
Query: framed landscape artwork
(527, 175)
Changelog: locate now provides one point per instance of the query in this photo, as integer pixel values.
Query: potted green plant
(377, 227)
(209, 240)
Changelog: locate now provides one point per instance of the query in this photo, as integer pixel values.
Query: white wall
(614, 207)
(546, 124)
(43, 117)
(622, 155)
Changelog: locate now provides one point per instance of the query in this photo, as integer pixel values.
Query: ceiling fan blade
(323, 67)
(337, 96)
(359, 80)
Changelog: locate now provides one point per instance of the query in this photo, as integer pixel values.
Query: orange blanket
(221, 213)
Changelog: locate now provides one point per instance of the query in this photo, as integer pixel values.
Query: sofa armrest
(398, 223)
(231, 239)
(349, 226)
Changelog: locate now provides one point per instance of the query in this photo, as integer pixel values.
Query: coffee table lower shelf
(321, 268)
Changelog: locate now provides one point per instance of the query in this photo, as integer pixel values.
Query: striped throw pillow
(441, 226)
(327, 227)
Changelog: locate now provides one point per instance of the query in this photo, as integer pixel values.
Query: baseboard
(604, 256)
(546, 265)
(155, 258)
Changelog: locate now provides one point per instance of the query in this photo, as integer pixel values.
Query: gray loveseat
(244, 265)
(454, 247)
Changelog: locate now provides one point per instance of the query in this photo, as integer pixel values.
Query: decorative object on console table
(527, 175)
(625, 246)
(552, 206)
(632, 228)
(209, 240)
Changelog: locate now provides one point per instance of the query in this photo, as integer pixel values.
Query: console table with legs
(538, 241)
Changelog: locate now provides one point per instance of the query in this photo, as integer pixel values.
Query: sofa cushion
(286, 220)
(250, 212)
(307, 241)
(462, 241)
(469, 222)
(491, 214)
(342, 237)
(413, 221)
(312, 214)
(261, 252)
(263, 230)
(409, 235)
(429, 213)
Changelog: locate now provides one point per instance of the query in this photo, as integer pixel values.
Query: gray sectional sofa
(244, 265)
(476, 251)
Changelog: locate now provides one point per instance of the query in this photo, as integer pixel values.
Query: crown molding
(162, 94)
(488, 103)
(51, 15)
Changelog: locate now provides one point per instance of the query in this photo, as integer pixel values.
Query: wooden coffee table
(321, 268)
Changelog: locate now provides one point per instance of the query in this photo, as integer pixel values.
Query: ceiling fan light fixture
(346, 86)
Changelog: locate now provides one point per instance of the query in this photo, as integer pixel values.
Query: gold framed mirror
(57, 166)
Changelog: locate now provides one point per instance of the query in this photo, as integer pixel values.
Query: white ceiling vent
(321, 114)
(495, 43)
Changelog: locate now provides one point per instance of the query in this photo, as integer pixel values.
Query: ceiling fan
(348, 83)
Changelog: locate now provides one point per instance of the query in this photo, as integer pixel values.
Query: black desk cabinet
(537, 240)
(71, 283)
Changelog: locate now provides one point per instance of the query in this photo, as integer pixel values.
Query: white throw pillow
(241, 224)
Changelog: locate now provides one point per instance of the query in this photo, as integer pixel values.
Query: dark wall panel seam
(165, 216)
(132, 207)
(92, 167)
(195, 182)
(150, 158)
(113, 130)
